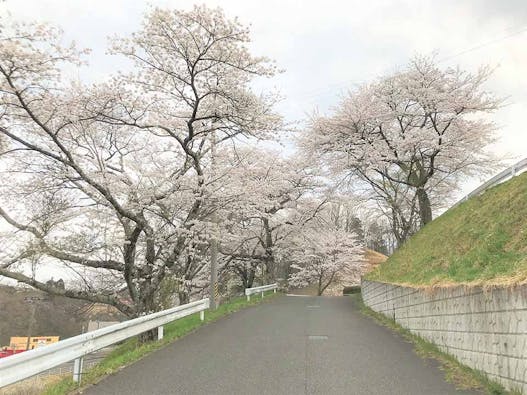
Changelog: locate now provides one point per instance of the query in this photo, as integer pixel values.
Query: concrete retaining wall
(483, 329)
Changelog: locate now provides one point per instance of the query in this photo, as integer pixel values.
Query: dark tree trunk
(148, 336)
(183, 297)
(246, 274)
(147, 306)
(425, 208)
(269, 263)
(250, 277)
(319, 286)
(269, 270)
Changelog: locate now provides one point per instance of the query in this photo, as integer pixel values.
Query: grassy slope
(131, 351)
(483, 240)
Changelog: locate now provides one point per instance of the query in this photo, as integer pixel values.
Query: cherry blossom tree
(37, 120)
(118, 179)
(323, 256)
(411, 127)
(192, 85)
(270, 190)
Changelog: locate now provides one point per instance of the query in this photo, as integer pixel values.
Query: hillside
(374, 259)
(483, 240)
(54, 316)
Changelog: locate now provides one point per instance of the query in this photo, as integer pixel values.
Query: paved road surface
(290, 345)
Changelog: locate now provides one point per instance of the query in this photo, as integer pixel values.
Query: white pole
(77, 370)
(160, 332)
(202, 315)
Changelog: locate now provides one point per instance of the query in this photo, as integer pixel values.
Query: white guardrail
(262, 289)
(29, 363)
(504, 175)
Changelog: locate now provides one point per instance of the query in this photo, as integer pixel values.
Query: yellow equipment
(20, 342)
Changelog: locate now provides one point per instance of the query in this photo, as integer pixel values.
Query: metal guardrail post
(202, 315)
(160, 331)
(262, 294)
(248, 298)
(77, 369)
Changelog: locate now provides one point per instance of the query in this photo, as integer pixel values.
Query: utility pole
(213, 291)
(32, 301)
(214, 272)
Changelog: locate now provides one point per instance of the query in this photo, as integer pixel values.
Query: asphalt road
(290, 345)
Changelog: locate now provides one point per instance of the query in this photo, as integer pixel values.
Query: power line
(485, 44)
(319, 92)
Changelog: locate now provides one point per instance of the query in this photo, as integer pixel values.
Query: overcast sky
(327, 46)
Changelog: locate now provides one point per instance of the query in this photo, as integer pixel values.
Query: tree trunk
(250, 277)
(319, 287)
(269, 263)
(183, 297)
(425, 208)
(148, 336)
(268, 275)
(147, 306)
(148, 302)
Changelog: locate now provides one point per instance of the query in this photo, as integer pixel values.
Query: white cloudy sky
(327, 46)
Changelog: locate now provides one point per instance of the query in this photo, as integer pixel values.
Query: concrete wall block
(470, 302)
(409, 309)
(491, 300)
(479, 323)
(521, 347)
(501, 344)
(417, 307)
(489, 364)
(465, 320)
(418, 297)
(458, 339)
(479, 343)
(467, 341)
(518, 369)
(475, 303)
(502, 321)
(405, 300)
(518, 297)
(512, 368)
(520, 321)
(391, 292)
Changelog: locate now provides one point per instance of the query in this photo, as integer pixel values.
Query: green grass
(131, 350)
(483, 240)
(463, 377)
